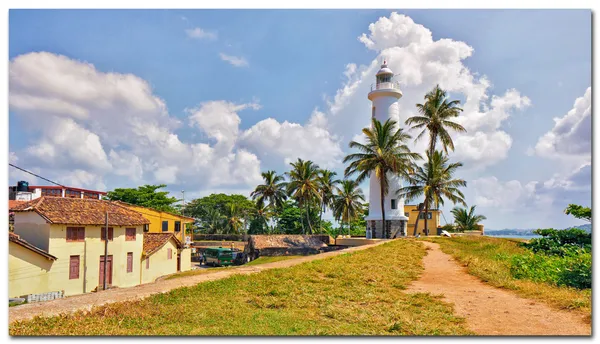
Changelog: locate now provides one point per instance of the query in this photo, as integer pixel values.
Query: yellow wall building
(162, 221)
(433, 220)
(72, 232)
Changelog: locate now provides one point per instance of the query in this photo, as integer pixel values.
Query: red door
(178, 262)
(108, 270)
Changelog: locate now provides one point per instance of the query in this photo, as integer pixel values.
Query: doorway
(178, 262)
(109, 270)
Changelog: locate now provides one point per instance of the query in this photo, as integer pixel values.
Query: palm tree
(303, 186)
(327, 186)
(435, 180)
(385, 153)
(436, 113)
(264, 213)
(347, 203)
(234, 218)
(214, 220)
(465, 218)
(272, 191)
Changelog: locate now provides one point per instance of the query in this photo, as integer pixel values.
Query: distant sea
(525, 237)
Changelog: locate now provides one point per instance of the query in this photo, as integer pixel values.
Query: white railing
(385, 86)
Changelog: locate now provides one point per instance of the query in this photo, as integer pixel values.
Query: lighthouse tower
(385, 94)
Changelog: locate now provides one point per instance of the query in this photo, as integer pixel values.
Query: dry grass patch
(359, 293)
(489, 259)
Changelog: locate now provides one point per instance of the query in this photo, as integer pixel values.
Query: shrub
(560, 242)
(449, 228)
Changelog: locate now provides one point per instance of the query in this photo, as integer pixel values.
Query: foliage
(292, 219)
(304, 186)
(272, 191)
(215, 213)
(466, 219)
(560, 242)
(349, 294)
(327, 228)
(327, 185)
(450, 228)
(491, 259)
(435, 115)
(435, 180)
(347, 204)
(580, 212)
(145, 196)
(384, 154)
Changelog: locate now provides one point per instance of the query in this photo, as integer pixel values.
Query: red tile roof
(154, 241)
(13, 203)
(125, 204)
(78, 211)
(12, 237)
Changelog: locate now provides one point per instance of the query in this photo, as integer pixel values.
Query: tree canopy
(580, 212)
(145, 196)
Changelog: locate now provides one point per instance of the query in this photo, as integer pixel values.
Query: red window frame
(73, 267)
(103, 234)
(52, 192)
(169, 253)
(129, 234)
(75, 234)
(72, 194)
(90, 195)
(129, 261)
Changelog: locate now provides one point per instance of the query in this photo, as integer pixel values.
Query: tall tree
(435, 180)
(327, 185)
(206, 209)
(466, 219)
(580, 212)
(272, 191)
(435, 115)
(303, 186)
(347, 203)
(145, 196)
(385, 153)
(234, 219)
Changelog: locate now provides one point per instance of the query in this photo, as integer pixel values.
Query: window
(90, 195)
(74, 267)
(394, 204)
(72, 194)
(129, 234)
(75, 233)
(169, 253)
(422, 216)
(52, 192)
(129, 261)
(373, 112)
(103, 234)
(146, 227)
(147, 263)
(177, 226)
(165, 226)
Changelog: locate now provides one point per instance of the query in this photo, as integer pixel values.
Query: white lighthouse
(385, 95)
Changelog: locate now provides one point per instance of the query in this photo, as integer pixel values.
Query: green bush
(560, 242)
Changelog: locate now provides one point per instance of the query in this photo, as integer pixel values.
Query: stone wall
(393, 226)
(31, 298)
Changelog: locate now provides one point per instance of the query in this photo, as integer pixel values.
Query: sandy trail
(489, 310)
(87, 301)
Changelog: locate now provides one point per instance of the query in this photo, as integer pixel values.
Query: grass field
(360, 293)
(258, 261)
(489, 259)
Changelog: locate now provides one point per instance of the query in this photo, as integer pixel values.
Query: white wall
(31, 227)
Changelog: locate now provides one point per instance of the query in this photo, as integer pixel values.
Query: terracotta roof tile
(154, 241)
(17, 240)
(78, 211)
(125, 204)
(12, 203)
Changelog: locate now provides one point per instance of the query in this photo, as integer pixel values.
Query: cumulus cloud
(118, 114)
(198, 33)
(570, 140)
(234, 60)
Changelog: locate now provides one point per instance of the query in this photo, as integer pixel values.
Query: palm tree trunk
(426, 213)
(322, 211)
(382, 206)
(417, 222)
(349, 226)
(308, 221)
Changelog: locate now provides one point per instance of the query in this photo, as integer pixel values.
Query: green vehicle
(222, 256)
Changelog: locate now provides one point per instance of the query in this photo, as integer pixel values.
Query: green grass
(265, 260)
(359, 293)
(258, 261)
(490, 259)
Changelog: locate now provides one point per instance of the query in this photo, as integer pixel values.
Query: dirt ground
(87, 301)
(489, 310)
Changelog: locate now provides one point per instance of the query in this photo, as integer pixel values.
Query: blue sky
(296, 61)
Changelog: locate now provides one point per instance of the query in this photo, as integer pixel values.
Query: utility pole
(183, 213)
(105, 251)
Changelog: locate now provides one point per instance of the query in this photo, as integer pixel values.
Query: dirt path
(87, 301)
(489, 310)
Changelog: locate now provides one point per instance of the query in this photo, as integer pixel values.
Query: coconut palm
(465, 218)
(264, 213)
(234, 218)
(327, 186)
(435, 115)
(303, 186)
(385, 153)
(272, 191)
(214, 221)
(435, 180)
(347, 203)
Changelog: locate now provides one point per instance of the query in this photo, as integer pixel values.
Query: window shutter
(69, 233)
(130, 262)
(81, 234)
(74, 267)
(110, 233)
(147, 263)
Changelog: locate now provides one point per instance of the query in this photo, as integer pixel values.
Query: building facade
(384, 96)
(433, 220)
(24, 192)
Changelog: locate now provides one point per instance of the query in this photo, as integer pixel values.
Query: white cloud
(570, 140)
(234, 60)
(198, 33)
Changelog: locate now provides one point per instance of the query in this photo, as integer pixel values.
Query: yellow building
(160, 251)
(72, 231)
(433, 220)
(161, 221)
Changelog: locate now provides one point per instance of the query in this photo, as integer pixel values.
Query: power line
(24, 170)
